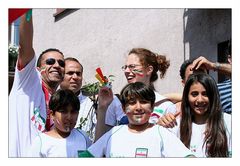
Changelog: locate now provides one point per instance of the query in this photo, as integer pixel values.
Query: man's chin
(75, 90)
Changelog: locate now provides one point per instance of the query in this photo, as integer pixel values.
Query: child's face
(198, 99)
(138, 111)
(65, 121)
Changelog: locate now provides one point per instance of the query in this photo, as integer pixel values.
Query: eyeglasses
(131, 66)
(51, 61)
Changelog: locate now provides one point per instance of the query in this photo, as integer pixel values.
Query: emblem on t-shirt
(193, 148)
(141, 152)
(38, 120)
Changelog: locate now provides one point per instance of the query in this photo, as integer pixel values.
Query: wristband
(217, 66)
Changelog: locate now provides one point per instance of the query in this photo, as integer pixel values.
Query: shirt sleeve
(172, 146)
(98, 149)
(35, 149)
(171, 108)
(114, 112)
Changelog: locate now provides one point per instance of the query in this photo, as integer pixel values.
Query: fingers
(168, 121)
(105, 97)
(105, 91)
(177, 113)
(197, 63)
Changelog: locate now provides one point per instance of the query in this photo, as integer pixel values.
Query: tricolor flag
(100, 76)
(141, 152)
(13, 14)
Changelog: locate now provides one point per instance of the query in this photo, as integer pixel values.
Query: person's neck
(77, 93)
(56, 133)
(200, 119)
(139, 128)
(50, 87)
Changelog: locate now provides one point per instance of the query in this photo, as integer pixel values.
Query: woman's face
(198, 100)
(135, 71)
(138, 111)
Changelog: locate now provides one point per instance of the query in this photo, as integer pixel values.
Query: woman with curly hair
(143, 65)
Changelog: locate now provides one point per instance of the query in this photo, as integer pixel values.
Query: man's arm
(224, 68)
(174, 97)
(26, 51)
(202, 62)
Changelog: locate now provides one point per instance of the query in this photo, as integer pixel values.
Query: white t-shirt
(162, 109)
(197, 139)
(27, 109)
(47, 146)
(153, 142)
(114, 113)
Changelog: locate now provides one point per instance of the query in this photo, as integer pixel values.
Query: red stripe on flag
(13, 14)
(99, 71)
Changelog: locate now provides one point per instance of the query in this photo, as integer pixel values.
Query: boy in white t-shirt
(139, 138)
(63, 140)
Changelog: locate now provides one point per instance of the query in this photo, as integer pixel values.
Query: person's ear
(149, 70)
(229, 59)
(124, 109)
(183, 83)
(38, 68)
(51, 114)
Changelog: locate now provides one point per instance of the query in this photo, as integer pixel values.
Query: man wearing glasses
(32, 88)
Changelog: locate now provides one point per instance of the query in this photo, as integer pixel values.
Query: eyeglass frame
(52, 61)
(131, 66)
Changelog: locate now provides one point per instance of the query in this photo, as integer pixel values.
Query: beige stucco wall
(103, 37)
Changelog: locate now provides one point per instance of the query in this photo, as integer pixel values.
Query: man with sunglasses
(31, 91)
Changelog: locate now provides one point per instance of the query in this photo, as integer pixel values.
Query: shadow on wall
(205, 30)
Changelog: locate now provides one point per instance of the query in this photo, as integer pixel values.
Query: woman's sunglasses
(51, 61)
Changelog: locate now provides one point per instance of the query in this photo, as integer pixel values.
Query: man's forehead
(72, 66)
(52, 54)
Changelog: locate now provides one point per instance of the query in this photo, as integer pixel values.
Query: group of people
(46, 105)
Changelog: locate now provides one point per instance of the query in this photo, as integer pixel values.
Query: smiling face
(52, 74)
(138, 111)
(135, 71)
(199, 101)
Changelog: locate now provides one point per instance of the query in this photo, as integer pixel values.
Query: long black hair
(215, 133)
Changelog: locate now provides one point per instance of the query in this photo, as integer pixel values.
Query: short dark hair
(73, 59)
(61, 99)
(137, 90)
(47, 50)
(184, 66)
(229, 48)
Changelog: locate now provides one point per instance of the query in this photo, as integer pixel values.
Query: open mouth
(56, 73)
(129, 78)
(201, 107)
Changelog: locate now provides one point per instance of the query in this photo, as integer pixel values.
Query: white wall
(103, 37)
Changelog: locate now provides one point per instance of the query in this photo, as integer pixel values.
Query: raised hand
(168, 120)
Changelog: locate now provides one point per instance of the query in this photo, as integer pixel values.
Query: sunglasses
(52, 61)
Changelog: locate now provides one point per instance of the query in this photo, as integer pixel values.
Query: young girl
(204, 128)
(63, 140)
(142, 65)
(139, 138)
